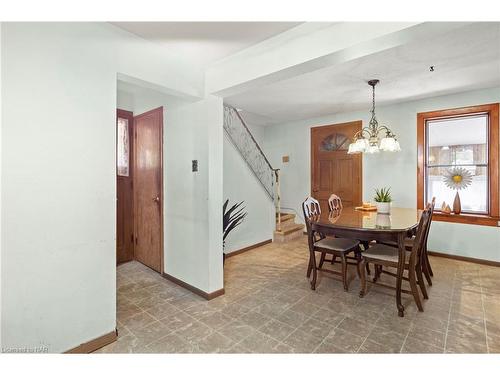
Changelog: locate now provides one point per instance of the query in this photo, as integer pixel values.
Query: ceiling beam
(312, 46)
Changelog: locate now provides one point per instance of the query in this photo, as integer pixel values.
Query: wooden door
(148, 187)
(333, 170)
(124, 192)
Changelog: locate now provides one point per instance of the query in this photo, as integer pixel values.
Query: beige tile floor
(269, 308)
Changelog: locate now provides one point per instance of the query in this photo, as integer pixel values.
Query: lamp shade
(362, 144)
(397, 147)
(372, 149)
(352, 149)
(388, 144)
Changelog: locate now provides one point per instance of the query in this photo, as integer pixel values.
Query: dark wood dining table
(367, 226)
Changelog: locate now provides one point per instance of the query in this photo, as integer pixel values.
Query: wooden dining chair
(335, 207)
(424, 264)
(388, 256)
(334, 203)
(318, 242)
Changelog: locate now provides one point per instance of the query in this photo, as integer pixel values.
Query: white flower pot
(383, 207)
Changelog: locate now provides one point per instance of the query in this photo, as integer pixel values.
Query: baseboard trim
(251, 247)
(466, 259)
(195, 290)
(93, 345)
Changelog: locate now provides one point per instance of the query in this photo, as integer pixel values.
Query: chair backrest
(432, 205)
(311, 210)
(421, 236)
(334, 203)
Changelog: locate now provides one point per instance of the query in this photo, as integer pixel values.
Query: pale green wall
(385, 169)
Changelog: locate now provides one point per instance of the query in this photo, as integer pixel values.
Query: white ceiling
(205, 42)
(465, 59)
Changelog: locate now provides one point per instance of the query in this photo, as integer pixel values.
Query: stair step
(286, 217)
(291, 229)
(295, 231)
(285, 225)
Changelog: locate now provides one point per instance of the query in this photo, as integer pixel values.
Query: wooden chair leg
(321, 260)
(414, 288)
(420, 280)
(377, 270)
(367, 269)
(358, 260)
(362, 269)
(333, 259)
(314, 270)
(428, 263)
(426, 267)
(309, 266)
(344, 271)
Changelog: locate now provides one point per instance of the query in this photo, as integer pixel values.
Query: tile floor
(269, 308)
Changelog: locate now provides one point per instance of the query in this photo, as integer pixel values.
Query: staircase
(269, 177)
(287, 229)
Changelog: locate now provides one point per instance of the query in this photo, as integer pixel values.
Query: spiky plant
(383, 195)
(231, 218)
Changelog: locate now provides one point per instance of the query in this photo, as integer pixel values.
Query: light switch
(285, 159)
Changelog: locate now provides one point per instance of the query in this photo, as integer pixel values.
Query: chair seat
(383, 252)
(337, 244)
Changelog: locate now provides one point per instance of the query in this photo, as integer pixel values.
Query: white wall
(58, 174)
(240, 184)
(125, 101)
(385, 169)
(1, 44)
(193, 204)
(144, 100)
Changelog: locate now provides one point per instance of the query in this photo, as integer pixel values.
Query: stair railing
(241, 137)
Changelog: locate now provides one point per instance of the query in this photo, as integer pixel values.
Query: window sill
(467, 219)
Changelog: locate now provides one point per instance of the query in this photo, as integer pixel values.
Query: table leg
(401, 268)
(361, 267)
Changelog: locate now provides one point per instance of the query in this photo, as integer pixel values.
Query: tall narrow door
(124, 192)
(333, 170)
(148, 183)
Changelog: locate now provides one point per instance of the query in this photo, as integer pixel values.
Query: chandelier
(367, 139)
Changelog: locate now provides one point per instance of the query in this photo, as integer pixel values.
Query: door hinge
(132, 238)
(136, 240)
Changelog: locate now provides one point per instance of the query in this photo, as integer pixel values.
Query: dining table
(367, 226)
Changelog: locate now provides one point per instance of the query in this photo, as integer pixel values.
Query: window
(458, 142)
(122, 147)
(334, 142)
(464, 138)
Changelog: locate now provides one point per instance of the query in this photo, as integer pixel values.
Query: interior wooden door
(333, 170)
(148, 183)
(124, 190)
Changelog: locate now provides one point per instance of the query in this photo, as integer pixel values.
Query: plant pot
(383, 207)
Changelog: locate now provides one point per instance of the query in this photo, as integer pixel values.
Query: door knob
(156, 199)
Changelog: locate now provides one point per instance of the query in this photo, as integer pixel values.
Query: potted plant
(231, 219)
(383, 200)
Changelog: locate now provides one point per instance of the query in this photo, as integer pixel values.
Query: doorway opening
(139, 187)
(333, 170)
